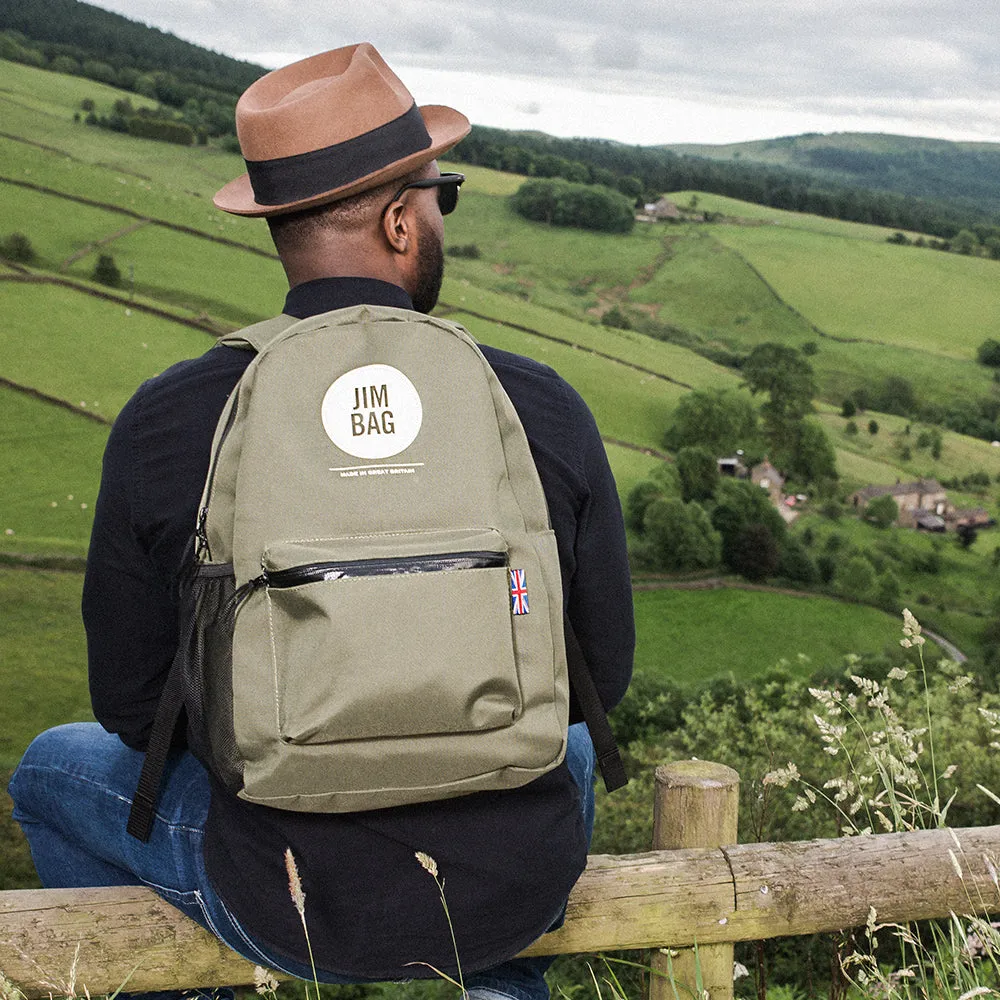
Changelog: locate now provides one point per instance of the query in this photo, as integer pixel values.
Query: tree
(988, 353)
(639, 498)
(721, 420)
(754, 553)
(699, 472)
(887, 591)
(788, 380)
(965, 242)
(795, 563)
(848, 408)
(739, 504)
(873, 427)
(883, 511)
(679, 536)
(967, 535)
(584, 206)
(856, 578)
(812, 458)
(106, 271)
(897, 396)
(785, 375)
(18, 247)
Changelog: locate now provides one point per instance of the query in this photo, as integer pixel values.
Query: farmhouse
(919, 502)
(733, 466)
(659, 211)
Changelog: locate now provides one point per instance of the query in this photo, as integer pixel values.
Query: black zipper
(201, 534)
(319, 572)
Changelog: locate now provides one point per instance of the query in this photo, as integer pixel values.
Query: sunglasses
(447, 185)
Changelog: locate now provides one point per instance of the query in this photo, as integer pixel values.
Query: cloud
(778, 54)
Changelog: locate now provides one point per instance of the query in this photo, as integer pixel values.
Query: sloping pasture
(88, 351)
(195, 275)
(691, 636)
(759, 215)
(704, 287)
(628, 405)
(57, 229)
(942, 304)
(51, 472)
(672, 362)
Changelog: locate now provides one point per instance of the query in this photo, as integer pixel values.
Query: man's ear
(396, 227)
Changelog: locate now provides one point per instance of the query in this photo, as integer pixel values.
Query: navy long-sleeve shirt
(509, 857)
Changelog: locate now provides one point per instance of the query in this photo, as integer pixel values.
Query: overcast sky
(647, 71)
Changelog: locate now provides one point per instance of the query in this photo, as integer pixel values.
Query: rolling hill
(966, 173)
(73, 349)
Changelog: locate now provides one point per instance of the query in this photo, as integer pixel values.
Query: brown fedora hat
(330, 126)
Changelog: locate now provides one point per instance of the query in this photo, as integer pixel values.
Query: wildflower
(428, 864)
(295, 883)
(739, 971)
(898, 674)
(949, 771)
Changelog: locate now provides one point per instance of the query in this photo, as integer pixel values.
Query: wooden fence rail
(51, 939)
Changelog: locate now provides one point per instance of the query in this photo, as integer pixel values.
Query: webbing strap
(140, 817)
(609, 758)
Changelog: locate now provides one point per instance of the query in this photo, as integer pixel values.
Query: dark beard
(430, 273)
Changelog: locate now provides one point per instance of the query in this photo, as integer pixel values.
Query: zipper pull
(240, 594)
(201, 534)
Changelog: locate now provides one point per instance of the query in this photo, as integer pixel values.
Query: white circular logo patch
(372, 412)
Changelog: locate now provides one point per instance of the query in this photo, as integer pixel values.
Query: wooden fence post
(696, 804)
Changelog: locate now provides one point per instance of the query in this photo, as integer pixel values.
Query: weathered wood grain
(656, 899)
(696, 804)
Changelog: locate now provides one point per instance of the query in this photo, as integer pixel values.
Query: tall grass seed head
(428, 864)
(295, 883)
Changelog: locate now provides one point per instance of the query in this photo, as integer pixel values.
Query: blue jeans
(72, 793)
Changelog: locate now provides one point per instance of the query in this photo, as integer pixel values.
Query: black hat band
(294, 178)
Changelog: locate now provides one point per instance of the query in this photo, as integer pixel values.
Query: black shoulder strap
(609, 758)
(168, 712)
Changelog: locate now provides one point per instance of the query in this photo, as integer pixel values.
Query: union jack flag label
(518, 592)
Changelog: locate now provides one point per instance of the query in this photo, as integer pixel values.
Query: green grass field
(923, 313)
(740, 310)
(51, 470)
(42, 644)
(196, 275)
(627, 404)
(691, 636)
(88, 351)
(919, 299)
(960, 455)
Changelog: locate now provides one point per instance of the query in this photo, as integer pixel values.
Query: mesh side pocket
(208, 613)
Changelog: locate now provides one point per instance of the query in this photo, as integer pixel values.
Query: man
(342, 164)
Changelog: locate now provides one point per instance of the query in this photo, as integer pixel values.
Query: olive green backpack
(374, 612)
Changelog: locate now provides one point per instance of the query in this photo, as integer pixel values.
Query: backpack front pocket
(412, 638)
